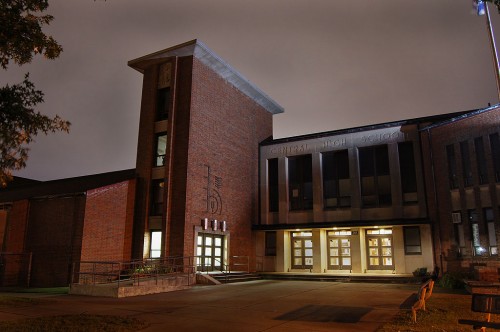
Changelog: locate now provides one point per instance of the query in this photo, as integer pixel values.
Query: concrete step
(342, 278)
(232, 277)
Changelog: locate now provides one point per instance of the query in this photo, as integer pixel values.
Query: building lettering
(397, 135)
(333, 143)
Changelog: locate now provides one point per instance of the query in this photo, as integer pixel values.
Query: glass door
(379, 247)
(209, 252)
(302, 250)
(339, 250)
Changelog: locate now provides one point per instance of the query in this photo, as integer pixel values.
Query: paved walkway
(262, 305)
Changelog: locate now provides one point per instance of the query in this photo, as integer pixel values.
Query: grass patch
(75, 323)
(442, 314)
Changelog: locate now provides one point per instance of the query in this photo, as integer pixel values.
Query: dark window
(162, 104)
(466, 164)
(270, 244)
(336, 179)
(412, 240)
(408, 172)
(300, 182)
(161, 149)
(157, 192)
(481, 160)
(452, 167)
(273, 185)
(375, 177)
(495, 155)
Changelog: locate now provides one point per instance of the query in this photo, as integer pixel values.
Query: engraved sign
(212, 190)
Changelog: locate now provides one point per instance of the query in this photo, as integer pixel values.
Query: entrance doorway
(339, 250)
(209, 252)
(302, 250)
(379, 247)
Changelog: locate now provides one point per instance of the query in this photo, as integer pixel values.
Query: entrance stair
(235, 276)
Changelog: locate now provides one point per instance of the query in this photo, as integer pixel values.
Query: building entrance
(302, 250)
(379, 247)
(209, 252)
(339, 250)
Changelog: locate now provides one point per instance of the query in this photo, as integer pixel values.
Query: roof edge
(199, 50)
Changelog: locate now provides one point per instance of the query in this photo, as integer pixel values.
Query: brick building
(210, 183)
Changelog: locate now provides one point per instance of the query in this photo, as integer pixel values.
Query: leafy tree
(21, 37)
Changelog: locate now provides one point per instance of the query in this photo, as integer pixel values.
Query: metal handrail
(101, 272)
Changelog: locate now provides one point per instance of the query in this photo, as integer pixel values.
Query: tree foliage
(21, 38)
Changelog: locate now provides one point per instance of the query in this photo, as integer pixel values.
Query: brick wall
(108, 222)
(16, 227)
(54, 237)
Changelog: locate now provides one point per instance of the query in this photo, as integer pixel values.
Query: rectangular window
(492, 237)
(408, 172)
(452, 166)
(481, 160)
(155, 251)
(162, 104)
(375, 177)
(300, 182)
(475, 234)
(272, 185)
(157, 193)
(161, 149)
(495, 155)
(466, 164)
(412, 240)
(270, 244)
(336, 179)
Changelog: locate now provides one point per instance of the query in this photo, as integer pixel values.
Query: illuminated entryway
(302, 250)
(339, 250)
(379, 249)
(209, 252)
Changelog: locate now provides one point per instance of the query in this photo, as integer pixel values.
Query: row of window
(374, 172)
(481, 163)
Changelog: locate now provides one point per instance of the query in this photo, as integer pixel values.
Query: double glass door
(339, 250)
(209, 252)
(380, 251)
(302, 250)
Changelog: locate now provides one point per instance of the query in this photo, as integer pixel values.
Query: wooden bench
(424, 293)
(485, 303)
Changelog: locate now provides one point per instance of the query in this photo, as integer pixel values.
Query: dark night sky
(330, 64)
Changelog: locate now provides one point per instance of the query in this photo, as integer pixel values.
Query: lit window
(161, 149)
(155, 244)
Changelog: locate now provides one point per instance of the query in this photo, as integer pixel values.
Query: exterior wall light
(204, 223)
(223, 225)
(215, 225)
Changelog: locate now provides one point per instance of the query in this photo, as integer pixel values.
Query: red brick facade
(108, 222)
(443, 201)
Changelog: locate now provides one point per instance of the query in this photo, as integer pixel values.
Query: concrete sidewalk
(262, 305)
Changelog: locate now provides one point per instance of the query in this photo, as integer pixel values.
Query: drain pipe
(436, 200)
